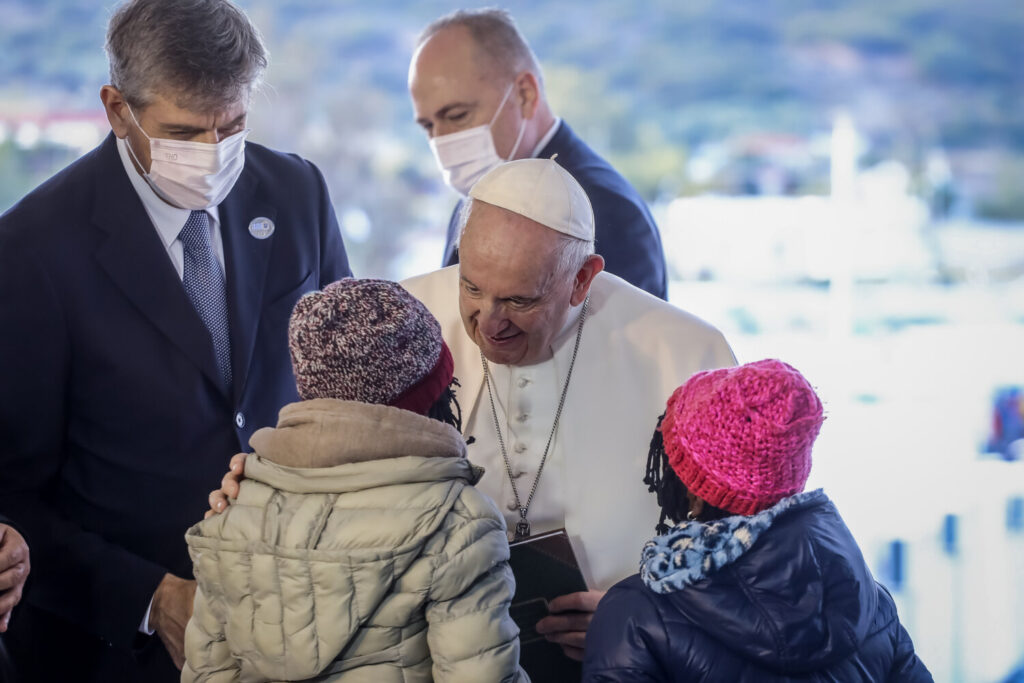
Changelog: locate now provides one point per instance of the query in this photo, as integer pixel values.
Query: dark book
(545, 567)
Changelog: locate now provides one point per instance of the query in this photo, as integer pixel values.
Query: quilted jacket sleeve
(907, 667)
(207, 655)
(470, 633)
(623, 634)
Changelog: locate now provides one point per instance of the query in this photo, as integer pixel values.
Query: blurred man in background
(143, 337)
(478, 92)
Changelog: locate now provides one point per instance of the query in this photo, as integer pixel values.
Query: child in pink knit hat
(757, 580)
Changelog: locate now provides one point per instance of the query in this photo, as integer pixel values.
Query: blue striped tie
(204, 284)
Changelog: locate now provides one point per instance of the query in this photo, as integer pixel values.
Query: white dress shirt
(546, 138)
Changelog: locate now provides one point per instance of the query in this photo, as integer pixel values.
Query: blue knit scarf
(690, 551)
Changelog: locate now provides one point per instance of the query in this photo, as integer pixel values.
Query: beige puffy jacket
(358, 550)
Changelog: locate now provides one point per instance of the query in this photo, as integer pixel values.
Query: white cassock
(635, 350)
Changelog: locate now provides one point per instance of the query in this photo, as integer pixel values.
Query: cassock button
(512, 506)
(523, 417)
(523, 381)
(520, 447)
(239, 420)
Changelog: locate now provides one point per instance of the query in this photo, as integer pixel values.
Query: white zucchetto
(542, 191)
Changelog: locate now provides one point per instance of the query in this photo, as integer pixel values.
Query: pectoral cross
(523, 527)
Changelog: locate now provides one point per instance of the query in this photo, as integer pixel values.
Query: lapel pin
(261, 228)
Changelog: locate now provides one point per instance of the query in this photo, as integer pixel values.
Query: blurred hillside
(732, 97)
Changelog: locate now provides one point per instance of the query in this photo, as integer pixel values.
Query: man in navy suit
(146, 291)
(478, 92)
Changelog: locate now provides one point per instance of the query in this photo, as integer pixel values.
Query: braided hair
(446, 408)
(663, 481)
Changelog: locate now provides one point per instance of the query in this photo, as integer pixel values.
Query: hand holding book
(569, 619)
(552, 606)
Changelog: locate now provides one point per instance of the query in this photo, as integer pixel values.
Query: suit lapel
(246, 259)
(137, 262)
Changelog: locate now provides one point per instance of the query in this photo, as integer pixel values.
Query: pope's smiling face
(512, 299)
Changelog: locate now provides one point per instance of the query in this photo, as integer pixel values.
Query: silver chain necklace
(523, 527)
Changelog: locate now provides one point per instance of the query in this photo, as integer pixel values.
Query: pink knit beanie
(740, 438)
(370, 341)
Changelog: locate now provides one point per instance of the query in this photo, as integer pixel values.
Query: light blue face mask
(466, 156)
(192, 175)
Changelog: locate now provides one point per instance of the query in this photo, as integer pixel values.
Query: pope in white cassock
(564, 370)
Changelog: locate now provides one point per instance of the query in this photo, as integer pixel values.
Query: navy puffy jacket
(800, 603)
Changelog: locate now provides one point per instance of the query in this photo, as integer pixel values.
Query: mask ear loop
(519, 138)
(504, 99)
(128, 141)
(136, 121)
(522, 126)
(145, 174)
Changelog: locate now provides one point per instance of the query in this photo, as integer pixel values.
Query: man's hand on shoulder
(14, 568)
(569, 619)
(172, 608)
(229, 486)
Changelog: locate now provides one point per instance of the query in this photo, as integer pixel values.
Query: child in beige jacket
(358, 548)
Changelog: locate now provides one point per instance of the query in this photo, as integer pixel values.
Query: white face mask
(193, 175)
(464, 157)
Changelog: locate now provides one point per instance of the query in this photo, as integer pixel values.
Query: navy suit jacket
(114, 424)
(627, 237)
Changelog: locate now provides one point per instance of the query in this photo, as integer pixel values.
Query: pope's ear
(585, 277)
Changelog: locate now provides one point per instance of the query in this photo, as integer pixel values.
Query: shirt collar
(547, 138)
(167, 219)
